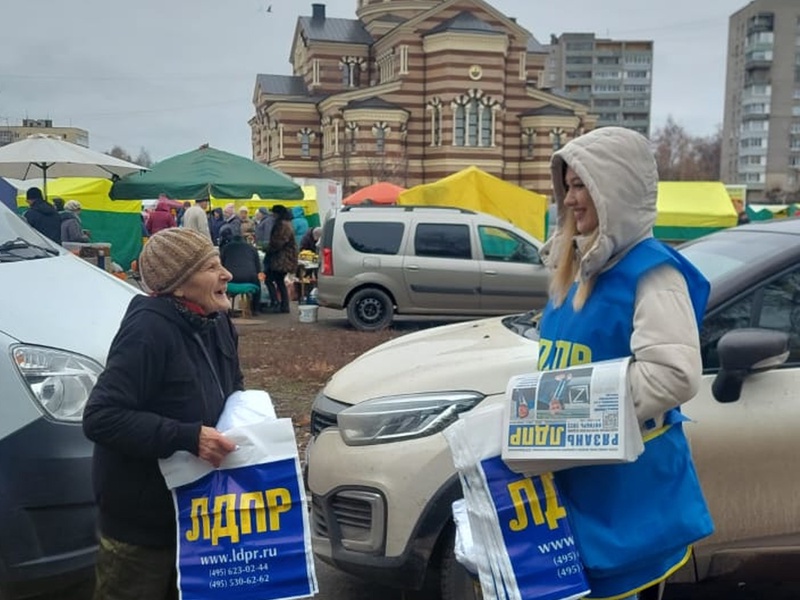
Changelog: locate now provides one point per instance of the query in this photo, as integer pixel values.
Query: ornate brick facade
(410, 92)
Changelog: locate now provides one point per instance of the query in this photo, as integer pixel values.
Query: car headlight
(396, 418)
(61, 381)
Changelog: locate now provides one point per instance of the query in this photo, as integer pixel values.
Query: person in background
(196, 219)
(299, 223)
(161, 218)
(232, 224)
(240, 258)
(58, 204)
(42, 216)
(181, 212)
(310, 240)
(244, 214)
(249, 232)
(265, 220)
(170, 368)
(215, 223)
(71, 226)
(617, 292)
(281, 256)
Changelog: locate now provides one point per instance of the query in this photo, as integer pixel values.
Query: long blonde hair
(568, 265)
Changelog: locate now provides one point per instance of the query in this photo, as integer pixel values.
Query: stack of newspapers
(515, 534)
(570, 417)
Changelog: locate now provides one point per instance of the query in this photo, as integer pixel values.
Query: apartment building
(14, 133)
(761, 127)
(411, 91)
(612, 77)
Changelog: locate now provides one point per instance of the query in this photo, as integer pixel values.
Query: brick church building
(409, 92)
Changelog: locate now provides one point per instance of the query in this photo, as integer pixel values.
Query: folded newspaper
(570, 417)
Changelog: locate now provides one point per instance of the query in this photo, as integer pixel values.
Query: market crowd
(262, 247)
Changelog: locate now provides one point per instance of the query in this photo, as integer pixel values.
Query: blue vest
(633, 522)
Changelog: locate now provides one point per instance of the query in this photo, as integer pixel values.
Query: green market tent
(765, 212)
(115, 223)
(690, 209)
(207, 172)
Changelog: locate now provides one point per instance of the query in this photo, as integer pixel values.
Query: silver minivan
(58, 315)
(380, 260)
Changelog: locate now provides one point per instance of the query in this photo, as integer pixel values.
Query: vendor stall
(308, 204)
(118, 223)
(690, 209)
(477, 190)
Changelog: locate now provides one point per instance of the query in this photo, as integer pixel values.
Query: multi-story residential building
(613, 77)
(13, 133)
(761, 127)
(411, 91)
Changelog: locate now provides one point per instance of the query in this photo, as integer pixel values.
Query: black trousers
(278, 279)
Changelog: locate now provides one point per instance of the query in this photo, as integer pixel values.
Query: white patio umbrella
(43, 156)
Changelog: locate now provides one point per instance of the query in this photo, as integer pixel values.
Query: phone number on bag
(234, 582)
(565, 559)
(570, 570)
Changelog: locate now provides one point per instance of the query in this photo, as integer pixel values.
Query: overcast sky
(169, 75)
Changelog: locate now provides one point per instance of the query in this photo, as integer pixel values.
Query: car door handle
(412, 268)
(490, 272)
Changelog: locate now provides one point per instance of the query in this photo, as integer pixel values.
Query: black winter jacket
(150, 401)
(241, 259)
(44, 218)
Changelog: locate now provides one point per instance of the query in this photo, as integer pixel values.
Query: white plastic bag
(246, 408)
(464, 546)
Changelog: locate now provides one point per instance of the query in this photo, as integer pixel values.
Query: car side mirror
(743, 352)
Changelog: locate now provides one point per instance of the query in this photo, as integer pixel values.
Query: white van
(58, 315)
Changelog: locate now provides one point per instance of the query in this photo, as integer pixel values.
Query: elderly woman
(170, 368)
(617, 292)
(71, 226)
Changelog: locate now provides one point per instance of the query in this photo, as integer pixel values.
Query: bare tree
(143, 158)
(120, 152)
(682, 157)
(391, 167)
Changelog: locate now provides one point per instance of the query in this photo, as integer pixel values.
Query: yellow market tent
(308, 204)
(117, 222)
(477, 190)
(690, 209)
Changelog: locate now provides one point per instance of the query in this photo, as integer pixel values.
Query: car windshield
(19, 242)
(526, 324)
(724, 255)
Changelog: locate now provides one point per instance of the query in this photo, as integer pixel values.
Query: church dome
(401, 10)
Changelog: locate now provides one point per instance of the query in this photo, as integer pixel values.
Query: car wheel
(457, 583)
(370, 309)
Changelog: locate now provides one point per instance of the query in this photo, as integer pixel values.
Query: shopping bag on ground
(243, 530)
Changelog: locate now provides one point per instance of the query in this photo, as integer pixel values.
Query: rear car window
(370, 237)
(442, 241)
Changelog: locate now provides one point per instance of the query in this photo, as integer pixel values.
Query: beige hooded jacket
(618, 169)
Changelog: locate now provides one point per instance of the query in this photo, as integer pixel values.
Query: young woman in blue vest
(618, 292)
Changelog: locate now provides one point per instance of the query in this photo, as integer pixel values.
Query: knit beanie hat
(172, 256)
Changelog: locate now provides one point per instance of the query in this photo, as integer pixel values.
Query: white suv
(380, 470)
(382, 260)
